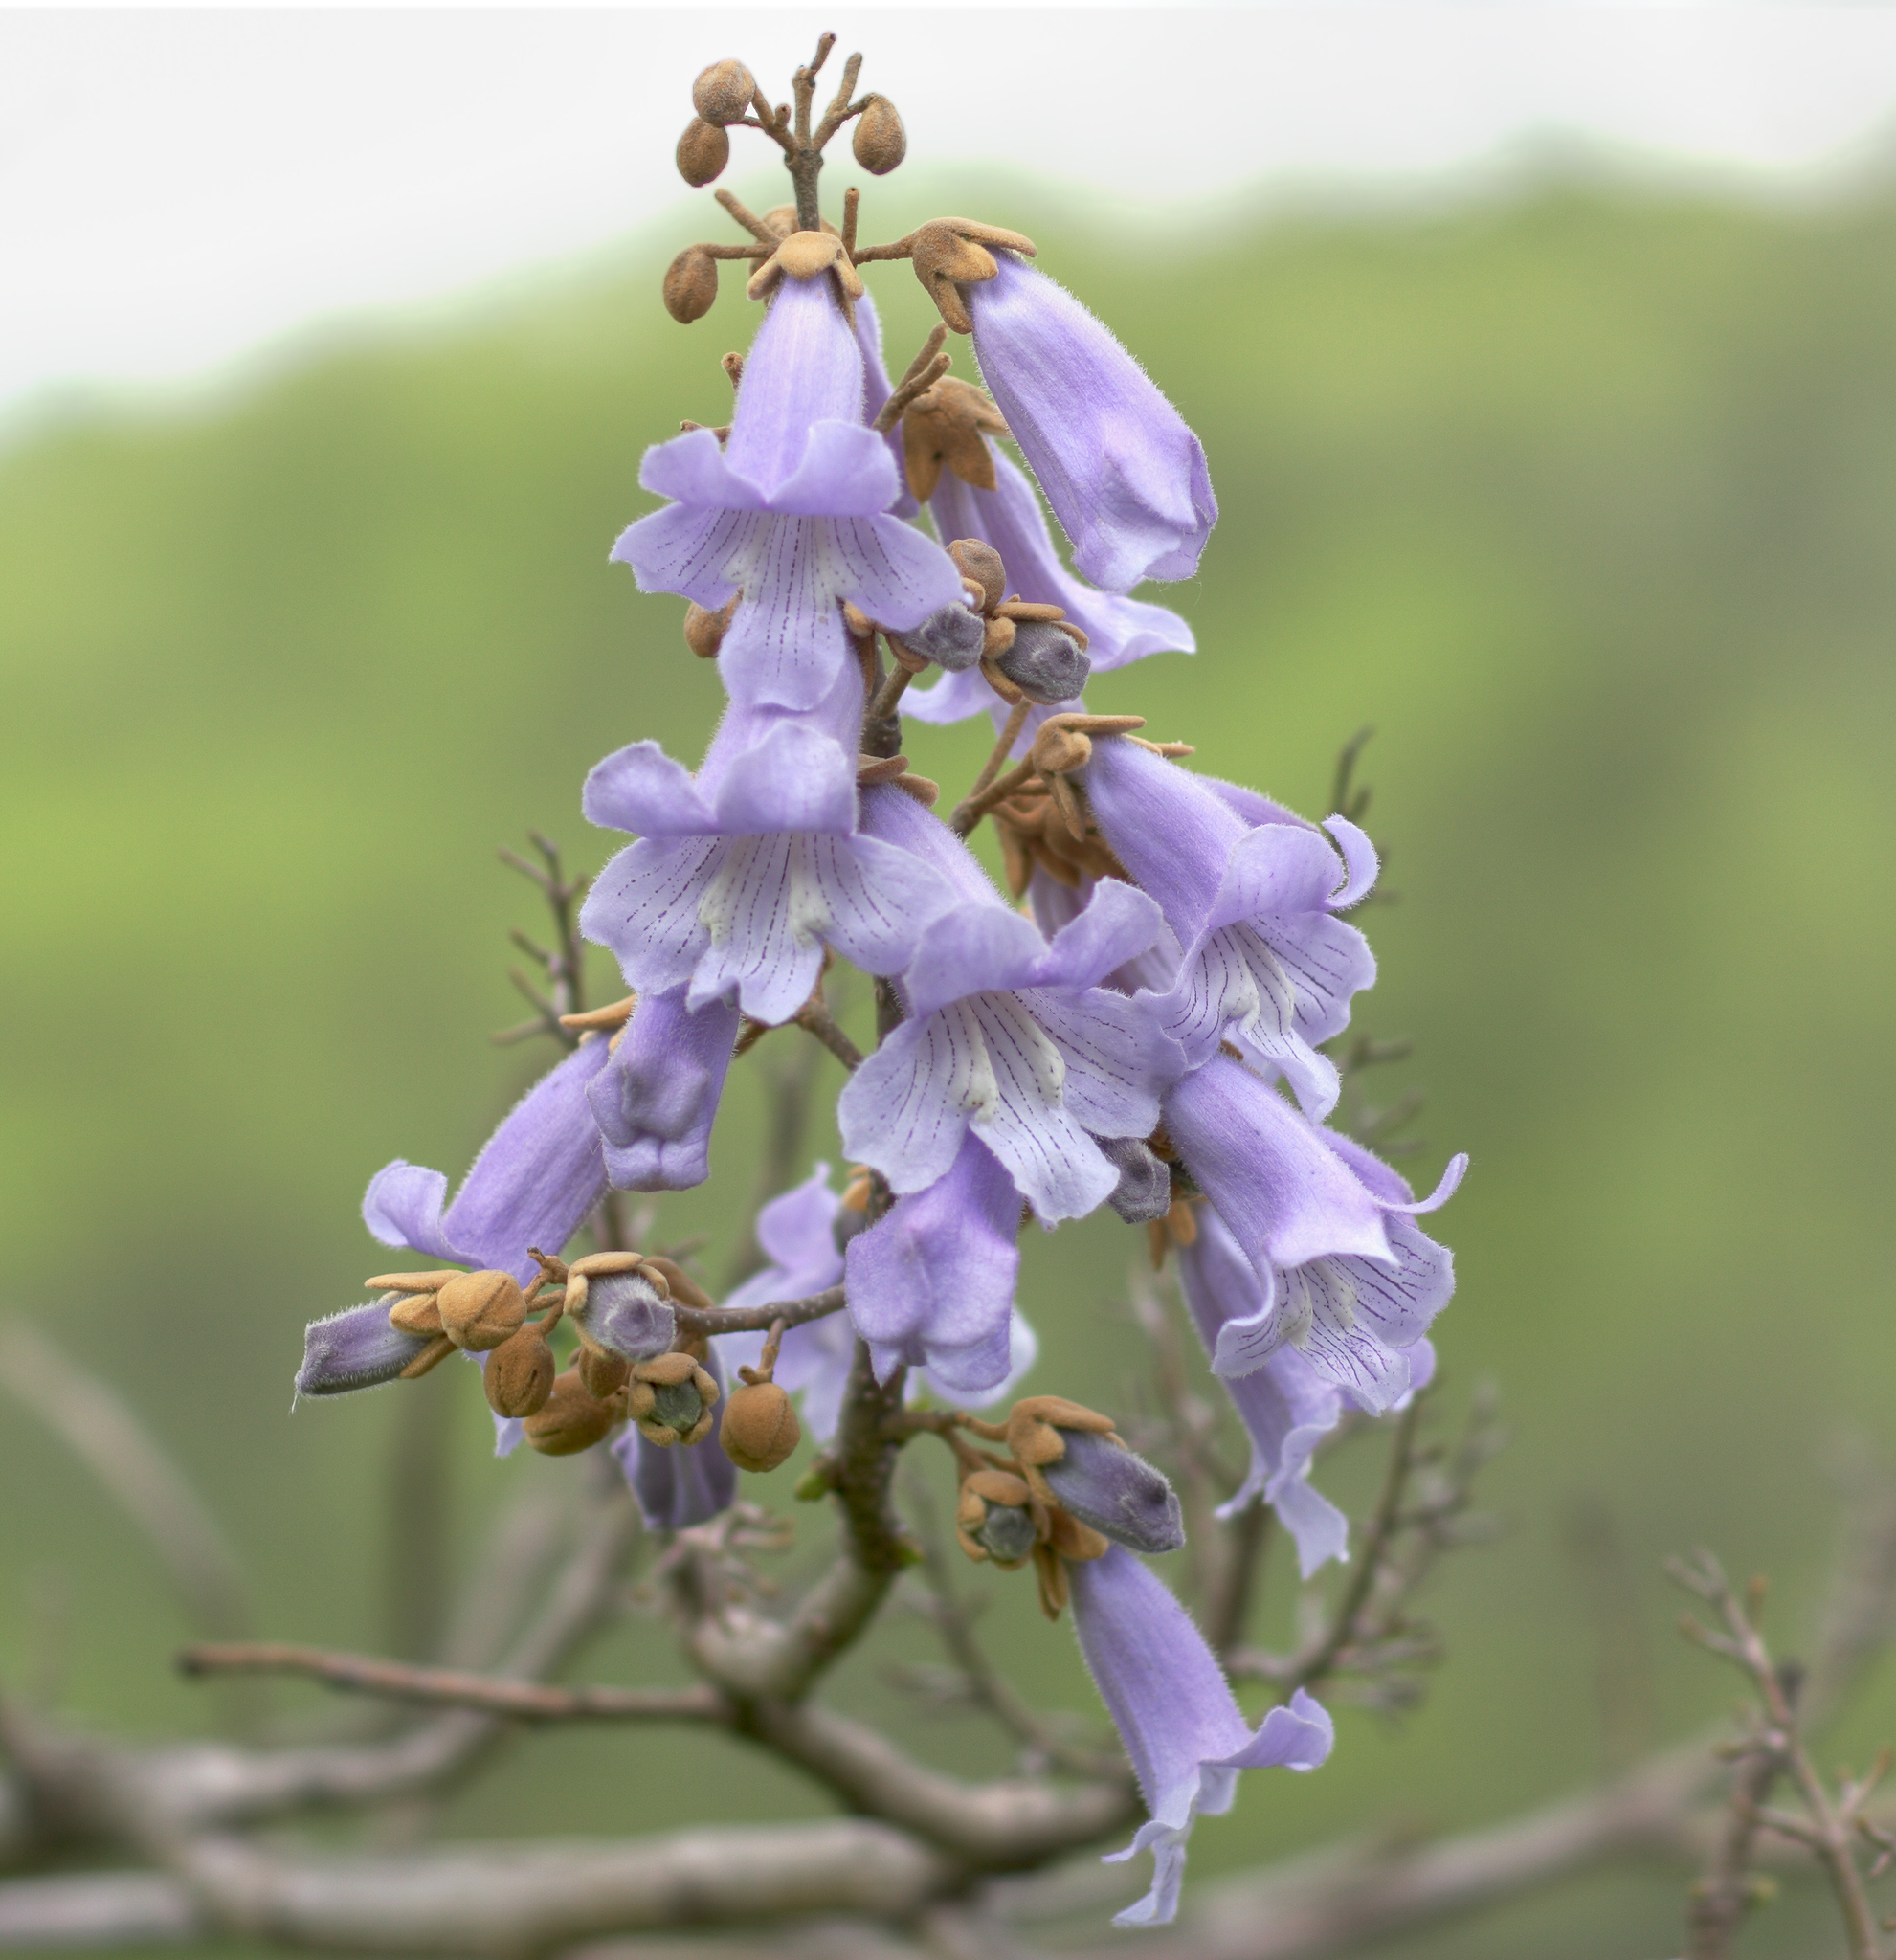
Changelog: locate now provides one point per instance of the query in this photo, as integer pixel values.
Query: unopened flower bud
(603, 1372)
(1045, 662)
(480, 1310)
(702, 152)
(760, 1428)
(975, 558)
(355, 1349)
(951, 637)
(993, 1518)
(691, 285)
(1103, 1484)
(723, 92)
(620, 1303)
(1144, 1192)
(519, 1375)
(880, 141)
(1071, 1456)
(705, 630)
(417, 1313)
(671, 1398)
(571, 1420)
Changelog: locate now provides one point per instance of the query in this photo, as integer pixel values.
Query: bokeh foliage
(1586, 498)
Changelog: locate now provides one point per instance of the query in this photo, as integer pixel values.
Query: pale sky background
(180, 189)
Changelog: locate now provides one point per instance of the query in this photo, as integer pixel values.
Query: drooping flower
(1009, 1039)
(1356, 1320)
(745, 874)
(1119, 631)
(1267, 964)
(1176, 1714)
(1125, 477)
(535, 1181)
(656, 1099)
(799, 1231)
(791, 514)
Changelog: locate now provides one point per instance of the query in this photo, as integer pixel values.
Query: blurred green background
(1584, 497)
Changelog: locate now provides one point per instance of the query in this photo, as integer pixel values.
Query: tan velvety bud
(604, 1374)
(803, 255)
(760, 1428)
(667, 1370)
(702, 152)
(519, 1376)
(723, 92)
(480, 1310)
(1057, 749)
(416, 1313)
(573, 1419)
(705, 630)
(880, 141)
(976, 559)
(691, 285)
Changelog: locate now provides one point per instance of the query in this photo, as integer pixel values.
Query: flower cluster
(1148, 1032)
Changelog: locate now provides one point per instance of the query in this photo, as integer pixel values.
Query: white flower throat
(773, 871)
(995, 1035)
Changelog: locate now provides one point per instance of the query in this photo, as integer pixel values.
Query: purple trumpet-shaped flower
(1010, 1039)
(798, 1233)
(1124, 474)
(688, 1483)
(1119, 631)
(1356, 1320)
(356, 1349)
(657, 1098)
(746, 873)
(1286, 1407)
(1267, 964)
(791, 513)
(1176, 1714)
(536, 1179)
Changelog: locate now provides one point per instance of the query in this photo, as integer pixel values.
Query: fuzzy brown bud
(671, 1398)
(571, 1420)
(880, 141)
(480, 1310)
(416, 1313)
(519, 1376)
(702, 152)
(603, 1372)
(723, 92)
(691, 285)
(760, 1427)
(978, 560)
(705, 630)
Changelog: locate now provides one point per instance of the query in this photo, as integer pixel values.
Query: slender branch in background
(419, 1517)
(1830, 1824)
(135, 1472)
(563, 963)
(445, 1687)
(1228, 1604)
(1622, 1673)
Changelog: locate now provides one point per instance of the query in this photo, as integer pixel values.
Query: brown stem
(814, 1016)
(977, 803)
(889, 694)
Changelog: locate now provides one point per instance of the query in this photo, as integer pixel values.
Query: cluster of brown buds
(947, 253)
(1065, 1489)
(1063, 747)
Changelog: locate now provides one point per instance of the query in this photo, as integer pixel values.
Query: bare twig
(816, 1017)
(746, 1320)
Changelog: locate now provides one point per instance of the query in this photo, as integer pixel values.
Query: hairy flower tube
(1176, 1714)
(537, 1177)
(656, 1098)
(1125, 477)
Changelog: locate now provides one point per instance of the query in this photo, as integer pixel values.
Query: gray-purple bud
(1045, 662)
(953, 639)
(1103, 1484)
(627, 1314)
(1144, 1192)
(356, 1349)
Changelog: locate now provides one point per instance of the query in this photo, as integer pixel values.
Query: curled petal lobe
(1125, 477)
(656, 1099)
(699, 554)
(931, 1284)
(795, 778)
(641, 790)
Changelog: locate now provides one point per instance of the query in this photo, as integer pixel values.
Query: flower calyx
(947, 426)
(475, 1312)
(872, 770)
(1000, 1520)
(1034, 830)
(671, 1398)
(808, 255)
(621, 1305)
(948, 253)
